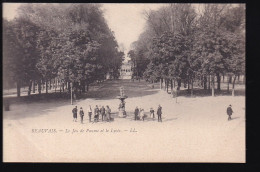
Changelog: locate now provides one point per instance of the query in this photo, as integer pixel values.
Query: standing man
(108, 113)
(96, 111)
(159, 113)
(136, 112)
(81, 113)
(151, 112)
(74, 112)
(89, 113)
(102, 110)
(229, 112)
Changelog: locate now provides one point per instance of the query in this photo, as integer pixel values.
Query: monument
(121, 108)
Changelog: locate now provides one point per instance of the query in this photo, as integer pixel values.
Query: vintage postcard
(101, 82)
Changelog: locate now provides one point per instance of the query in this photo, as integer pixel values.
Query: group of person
(140, 115)
(105, 113)
(101, 113)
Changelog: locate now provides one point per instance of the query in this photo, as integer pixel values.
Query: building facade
(126, 70)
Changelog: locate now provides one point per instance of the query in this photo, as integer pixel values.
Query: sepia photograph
(124, 82)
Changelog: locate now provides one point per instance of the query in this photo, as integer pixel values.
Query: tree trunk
(33, 86)
(43, 85)
(244, 79)
(171, 85)
(83, 87)
(63, 85)
(209, 82)
(167, 83)
(233, 86)
(69, 87)
(30, 88)
(18, 87)
(60, 86)
(228, 82)
(50, 85)
(160, 83)
(164, 84)
(202, 81)
(185, 83)
(179, 84)
(174, 83)
(87, 86)
(46, 86)
(205, 82)
(218, 81)
(191, 93)
(188, 83)
(39, 83)
(213, 86)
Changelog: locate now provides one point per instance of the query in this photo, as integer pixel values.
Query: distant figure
(103, 112)
(75, 111)
(89, 113)
(142, 114)
(96, 111)
(136, 112)
(159, 113)
(229, 112)
(99, 112)
(108, 114)
(81, 113)
(151, 112)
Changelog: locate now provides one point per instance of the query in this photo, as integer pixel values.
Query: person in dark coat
(229, 112)
(151, 112)
(74, 112)
(81, 113)
(103, 112)
(96, 111)
(136, 112)
(159, 113)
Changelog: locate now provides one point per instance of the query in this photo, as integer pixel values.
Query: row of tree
(187, 43)
(67, 43)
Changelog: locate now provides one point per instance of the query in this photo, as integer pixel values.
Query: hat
(229, 105)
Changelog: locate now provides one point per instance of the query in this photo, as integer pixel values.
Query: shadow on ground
(198, 92)
(111, 89)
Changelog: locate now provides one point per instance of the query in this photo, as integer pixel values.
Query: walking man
(74, 112)
(159, 113)
(102, 111)
(81, 113)
(136, 112)
(229, 112)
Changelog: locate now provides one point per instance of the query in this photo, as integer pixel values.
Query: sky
(126, 20)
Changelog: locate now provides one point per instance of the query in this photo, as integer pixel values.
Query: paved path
(193, 130)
